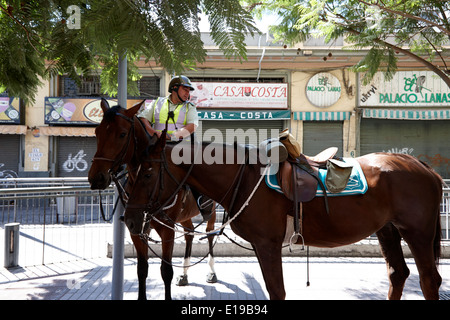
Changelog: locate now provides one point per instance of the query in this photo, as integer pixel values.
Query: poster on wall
(70, 111)
(240, 95)
(9, 110)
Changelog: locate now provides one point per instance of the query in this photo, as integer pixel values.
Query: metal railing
(51, 200)
(60, 218)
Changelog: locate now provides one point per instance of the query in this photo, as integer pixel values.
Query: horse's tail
(438, 235)
(437, 239)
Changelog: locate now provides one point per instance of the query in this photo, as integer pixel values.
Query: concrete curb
(364, 248)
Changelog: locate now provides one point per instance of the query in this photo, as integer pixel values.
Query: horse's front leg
(167, 238)
(142, 265)
(269, 258)
(211, 277)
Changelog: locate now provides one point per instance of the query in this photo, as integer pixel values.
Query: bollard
(11, 245)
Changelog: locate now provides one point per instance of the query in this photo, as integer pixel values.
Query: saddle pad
(357, 183)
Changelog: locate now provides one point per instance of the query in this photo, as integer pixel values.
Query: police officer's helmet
(178, 81)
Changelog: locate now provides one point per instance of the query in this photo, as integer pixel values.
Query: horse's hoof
(182, 280)
(211, 278)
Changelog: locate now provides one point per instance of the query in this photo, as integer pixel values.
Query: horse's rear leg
(390, 243)
(142, 265)
(424, 256)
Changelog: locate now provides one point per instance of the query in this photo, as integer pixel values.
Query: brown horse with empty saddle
(402, 201)
(116, 146)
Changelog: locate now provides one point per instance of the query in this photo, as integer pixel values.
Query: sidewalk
(240, 278)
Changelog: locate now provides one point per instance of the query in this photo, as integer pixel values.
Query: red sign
(240, 95)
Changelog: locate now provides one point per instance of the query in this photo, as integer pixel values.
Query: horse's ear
(160, 143)
(104, 105)
(144, 140)
(134, 109)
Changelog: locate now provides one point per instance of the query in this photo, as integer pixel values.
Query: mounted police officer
(176, 107)
(182, 120)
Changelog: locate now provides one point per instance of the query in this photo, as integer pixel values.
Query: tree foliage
(38, 38)
(416, 28)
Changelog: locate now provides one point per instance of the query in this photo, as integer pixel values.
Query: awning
(68, 131)
(13, 129)
(406, 114)
(322, 116)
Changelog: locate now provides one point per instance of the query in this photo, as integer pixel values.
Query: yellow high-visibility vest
(161, 113)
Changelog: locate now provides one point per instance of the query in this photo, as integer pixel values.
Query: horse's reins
(148, 216)
(236, 182)
(149, 209)
(117, 162)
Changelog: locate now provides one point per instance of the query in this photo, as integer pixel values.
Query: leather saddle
(298, 178)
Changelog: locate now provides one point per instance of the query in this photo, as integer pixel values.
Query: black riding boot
(205, 205)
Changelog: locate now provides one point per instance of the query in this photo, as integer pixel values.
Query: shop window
(90, 86)
(149, 87)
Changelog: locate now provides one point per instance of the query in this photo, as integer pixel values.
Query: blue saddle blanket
(357, 183)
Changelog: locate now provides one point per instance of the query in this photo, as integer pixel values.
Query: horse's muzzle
(133, 223)
(99, 181)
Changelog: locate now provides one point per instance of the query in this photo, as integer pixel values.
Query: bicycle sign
(77, 162)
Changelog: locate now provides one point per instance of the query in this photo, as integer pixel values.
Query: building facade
(307, 88)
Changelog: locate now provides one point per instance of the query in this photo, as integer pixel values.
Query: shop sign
(323, 90)
(406, 89)
(9, 110)
(70, 111)
(240, 95)
(244, 115)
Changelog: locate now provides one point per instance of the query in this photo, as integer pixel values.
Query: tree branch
(428, 64)
(20, 24)
(407, 15)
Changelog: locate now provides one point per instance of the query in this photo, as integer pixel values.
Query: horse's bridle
(120, 159)
(117, 163)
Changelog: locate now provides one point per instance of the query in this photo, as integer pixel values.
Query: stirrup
(291, 242)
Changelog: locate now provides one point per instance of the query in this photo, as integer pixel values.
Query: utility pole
(118, 225)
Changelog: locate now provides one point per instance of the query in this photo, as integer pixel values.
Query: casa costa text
(250, 91)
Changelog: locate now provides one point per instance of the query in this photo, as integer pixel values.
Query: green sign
(244, 115)
(407, 89)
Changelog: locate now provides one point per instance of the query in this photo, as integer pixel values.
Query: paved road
(239, 279)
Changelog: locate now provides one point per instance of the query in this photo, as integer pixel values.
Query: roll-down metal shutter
(319, 135)
(74, 156)
(9, 158)
(428, 140)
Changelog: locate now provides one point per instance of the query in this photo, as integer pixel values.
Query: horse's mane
(111, 113)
